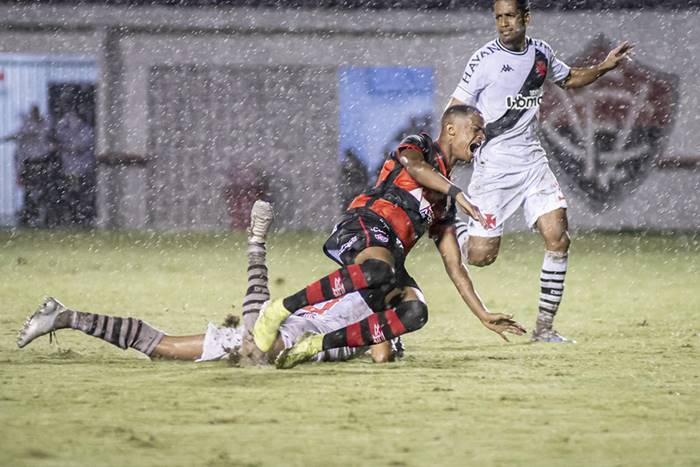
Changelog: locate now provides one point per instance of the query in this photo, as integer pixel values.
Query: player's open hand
(501, 323)
(470, 209)
(617, 54)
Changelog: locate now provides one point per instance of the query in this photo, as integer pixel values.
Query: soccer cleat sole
(41, 322)
(261, 217)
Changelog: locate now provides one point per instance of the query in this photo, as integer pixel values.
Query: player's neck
(517, 45)
(445, 149)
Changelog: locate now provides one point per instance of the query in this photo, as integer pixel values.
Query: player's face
(511, 23)
(469, 136)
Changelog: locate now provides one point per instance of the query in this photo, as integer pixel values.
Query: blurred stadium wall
(191, 97)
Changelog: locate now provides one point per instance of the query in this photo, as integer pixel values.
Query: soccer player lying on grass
(219, 342)
(412, 195)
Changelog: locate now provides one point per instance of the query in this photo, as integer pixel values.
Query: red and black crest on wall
(607, 136)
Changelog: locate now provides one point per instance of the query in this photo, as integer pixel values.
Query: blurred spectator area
(191, 101)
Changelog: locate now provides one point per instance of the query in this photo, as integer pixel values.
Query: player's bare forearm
(580, 77)
(423, 173)
(459, 275)
(452, 258)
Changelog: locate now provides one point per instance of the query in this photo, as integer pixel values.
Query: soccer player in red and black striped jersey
(413, 195)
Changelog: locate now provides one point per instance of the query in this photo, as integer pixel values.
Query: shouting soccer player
(229, 340)
(412, 195)
(504, 80)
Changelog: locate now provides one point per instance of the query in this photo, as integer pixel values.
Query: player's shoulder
(486, 52)
(541, 45)
(420, 141)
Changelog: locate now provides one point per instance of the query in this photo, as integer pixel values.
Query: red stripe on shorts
(357, 276)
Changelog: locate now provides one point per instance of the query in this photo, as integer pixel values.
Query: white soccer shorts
(219, 342)
(498, 195)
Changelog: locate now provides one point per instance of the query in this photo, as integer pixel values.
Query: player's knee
(559, 242)
(481, 259)
(413, 314)
(378, 273)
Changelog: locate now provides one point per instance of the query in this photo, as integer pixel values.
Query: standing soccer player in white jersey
(504, 79)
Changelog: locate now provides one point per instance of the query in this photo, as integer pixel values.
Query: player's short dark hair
(522, 5)
(455, 110)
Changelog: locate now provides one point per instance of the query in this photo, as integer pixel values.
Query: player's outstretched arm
(580, 77)
(426, 176)
(452, 259)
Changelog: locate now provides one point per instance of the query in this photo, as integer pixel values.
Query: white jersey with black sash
(507, 87)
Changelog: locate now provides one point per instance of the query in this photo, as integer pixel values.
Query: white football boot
(550, 335)
(261, 216)
(41, 322)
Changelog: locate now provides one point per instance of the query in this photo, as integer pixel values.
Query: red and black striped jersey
(409, 208)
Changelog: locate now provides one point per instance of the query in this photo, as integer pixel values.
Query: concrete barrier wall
(131, 44)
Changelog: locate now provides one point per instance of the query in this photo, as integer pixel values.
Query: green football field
(628, 393)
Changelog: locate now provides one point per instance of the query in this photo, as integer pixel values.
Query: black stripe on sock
(128, 331)
(364, 329)
(561, 273)
(103, 331)
(326, 288)
(93, 326)
(116, 330)
(138, 331)
(549, 301)
(556, 281)
(386, 329)
(257, 276)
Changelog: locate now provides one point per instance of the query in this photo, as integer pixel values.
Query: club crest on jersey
(520, 102)
(607, 136)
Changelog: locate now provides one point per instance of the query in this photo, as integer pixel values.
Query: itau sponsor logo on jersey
(607, 136)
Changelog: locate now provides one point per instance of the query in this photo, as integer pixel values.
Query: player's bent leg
(124, 333)
(371, 273)
(554, 229)
(257, 293)
(482, 251)
(408, 316)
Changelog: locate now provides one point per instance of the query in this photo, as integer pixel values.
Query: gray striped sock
(258, 292)
(122, 332)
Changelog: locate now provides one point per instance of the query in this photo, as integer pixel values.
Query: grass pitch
(628, 393)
